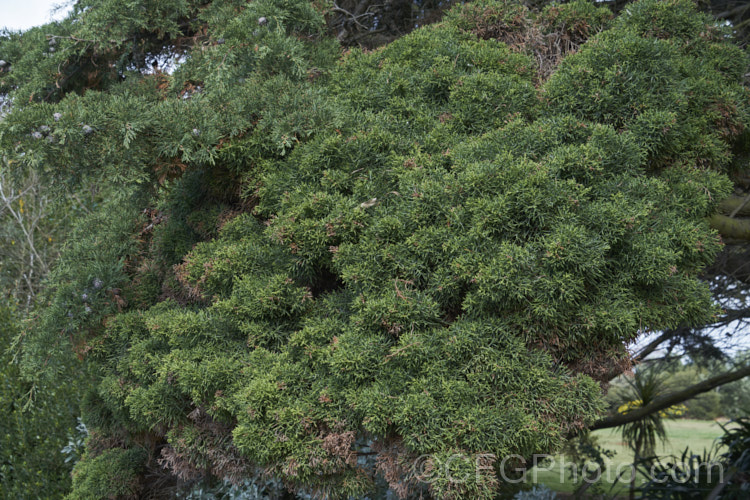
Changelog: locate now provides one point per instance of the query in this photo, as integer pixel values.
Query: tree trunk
(737, 229)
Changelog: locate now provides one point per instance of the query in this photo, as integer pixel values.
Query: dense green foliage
(114, 473)
(31, 439)
(321, 267)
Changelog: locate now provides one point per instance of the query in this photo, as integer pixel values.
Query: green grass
(697, 434)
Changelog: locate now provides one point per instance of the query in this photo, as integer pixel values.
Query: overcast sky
(23, 14)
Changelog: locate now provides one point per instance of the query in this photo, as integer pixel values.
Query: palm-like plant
(642, 435)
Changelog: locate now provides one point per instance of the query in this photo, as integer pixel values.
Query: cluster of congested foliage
(322, 268)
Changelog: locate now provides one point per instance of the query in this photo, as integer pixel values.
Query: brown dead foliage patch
(171, 289)
(547, 40)
(231, 213)
(99, 442)
(341, 445)
(217, 455)
(397, 466)
(189, 290)
(168, 169)
(548, 49)
(603, 364)
(729, 122)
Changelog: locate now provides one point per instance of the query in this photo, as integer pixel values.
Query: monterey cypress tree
(416, 265)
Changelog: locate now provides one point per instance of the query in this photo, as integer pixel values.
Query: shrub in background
(721, 473)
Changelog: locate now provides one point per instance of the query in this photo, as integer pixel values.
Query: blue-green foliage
(425, 247)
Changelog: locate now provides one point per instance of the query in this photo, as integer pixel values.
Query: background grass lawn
(697, 434)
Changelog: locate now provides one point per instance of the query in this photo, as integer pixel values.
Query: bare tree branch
(672, 399)
(653, 345)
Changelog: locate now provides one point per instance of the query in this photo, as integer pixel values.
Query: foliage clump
(320, 268)
(116, 473)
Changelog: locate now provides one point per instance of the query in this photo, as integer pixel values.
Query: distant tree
(706, 406)
(34, 221)
(735, 397)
